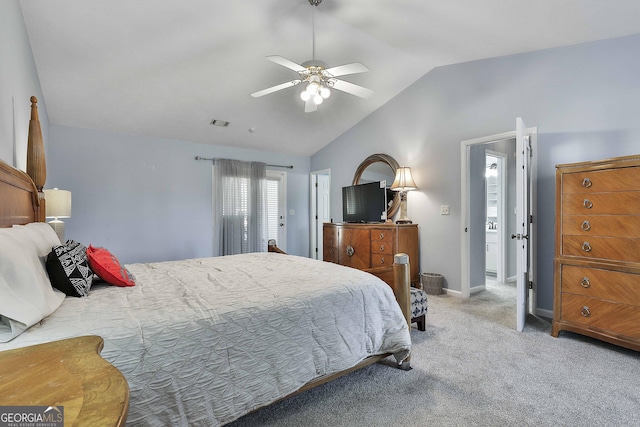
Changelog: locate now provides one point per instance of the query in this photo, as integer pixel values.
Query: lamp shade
(58, 203)
(404, 180)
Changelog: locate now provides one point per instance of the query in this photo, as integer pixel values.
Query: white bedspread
(204, 341)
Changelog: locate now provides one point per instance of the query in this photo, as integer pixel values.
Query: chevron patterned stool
(418, 307)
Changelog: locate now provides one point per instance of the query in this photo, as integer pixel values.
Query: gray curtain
(239, 207)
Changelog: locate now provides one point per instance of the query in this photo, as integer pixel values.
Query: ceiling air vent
(222, 123)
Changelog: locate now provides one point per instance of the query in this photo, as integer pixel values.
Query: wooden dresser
(597, 264)
(371, 247)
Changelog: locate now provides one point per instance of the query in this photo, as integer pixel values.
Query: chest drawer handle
(586, 183)
(585, 226)
(585, 283)
(350, 250)
(381, 236)
(587, 204)
(586, 247)
(381, 248)
(585, 311)
(381, 260)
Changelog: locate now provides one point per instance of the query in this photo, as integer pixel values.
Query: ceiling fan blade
(310, 106)
(352, 89)
(286, 63)
(343, 70)
(275, 88)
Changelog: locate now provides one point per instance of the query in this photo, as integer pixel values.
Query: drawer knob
(586, 247)
(331, 251)
(585, 311)
(585, 226)
(381, 236)
(585, 283)
(587, 204)
(381, 248)
(350, 250)
(382, 260)
(586, 183)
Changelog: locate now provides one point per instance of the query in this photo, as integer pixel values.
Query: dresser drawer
(381, 260)
(381, 241)
(612, 248)
(330, 237)
(330, 253)
(620, 203)
(603, 284)
(382, 235)
(621, 179)
(381, 247)
(602, 225)
(622, 319)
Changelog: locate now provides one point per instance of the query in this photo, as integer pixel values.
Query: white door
(522, 233)
(320, 212)
(276, 207)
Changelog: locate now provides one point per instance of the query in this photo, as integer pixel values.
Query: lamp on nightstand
(58, 205)
(403, 183)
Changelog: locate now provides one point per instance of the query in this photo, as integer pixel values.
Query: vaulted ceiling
(166, 68)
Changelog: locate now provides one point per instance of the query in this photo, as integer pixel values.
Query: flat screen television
(364, 202)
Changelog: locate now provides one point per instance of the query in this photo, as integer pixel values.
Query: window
(239, 207)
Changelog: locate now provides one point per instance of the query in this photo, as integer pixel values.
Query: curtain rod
(273, 166)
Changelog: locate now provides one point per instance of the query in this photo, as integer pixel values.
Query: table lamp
(58, 205)
(403, 183)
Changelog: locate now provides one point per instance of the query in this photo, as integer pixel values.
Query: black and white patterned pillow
(69, 269)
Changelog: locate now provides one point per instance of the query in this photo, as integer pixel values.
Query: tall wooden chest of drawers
(597, 263)
(371, 247)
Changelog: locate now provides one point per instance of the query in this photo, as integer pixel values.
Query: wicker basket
(432, 283)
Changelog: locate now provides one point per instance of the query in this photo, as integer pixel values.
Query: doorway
(320, 211)
(491, 189)
(276, 207)
(496, 176)
(516, 230)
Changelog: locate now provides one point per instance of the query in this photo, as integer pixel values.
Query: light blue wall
(18, 82)
(583, 99)
(148, 199)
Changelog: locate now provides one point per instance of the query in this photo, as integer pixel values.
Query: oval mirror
(379, 167)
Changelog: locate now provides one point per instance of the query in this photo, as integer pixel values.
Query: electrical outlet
(444, 210)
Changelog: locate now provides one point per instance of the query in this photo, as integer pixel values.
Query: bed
(205, 341)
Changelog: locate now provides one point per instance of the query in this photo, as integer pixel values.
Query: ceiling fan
(319, 79)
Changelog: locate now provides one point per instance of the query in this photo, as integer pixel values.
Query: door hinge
(530, 219)
(530, 285)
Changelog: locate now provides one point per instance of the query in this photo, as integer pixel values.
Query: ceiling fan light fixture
(312, 88)
(318, 77)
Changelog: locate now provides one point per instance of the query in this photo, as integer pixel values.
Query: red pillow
(108, 268)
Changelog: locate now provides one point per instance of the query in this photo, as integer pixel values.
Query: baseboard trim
(542, 312)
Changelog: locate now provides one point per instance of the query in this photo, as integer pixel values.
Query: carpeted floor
(471, 368)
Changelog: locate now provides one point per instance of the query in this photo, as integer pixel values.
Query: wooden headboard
(20, 201)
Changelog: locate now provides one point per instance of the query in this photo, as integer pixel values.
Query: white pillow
(26, 295)
(43, 235)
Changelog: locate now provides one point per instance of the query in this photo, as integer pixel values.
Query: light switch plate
(444, 210)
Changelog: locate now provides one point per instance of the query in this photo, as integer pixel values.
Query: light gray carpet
(470, 367)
